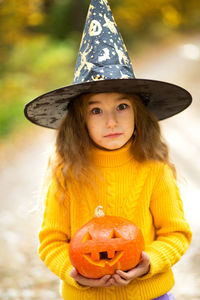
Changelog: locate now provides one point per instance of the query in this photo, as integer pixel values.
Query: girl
(109, 152)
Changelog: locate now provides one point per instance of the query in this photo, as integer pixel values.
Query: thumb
(73, 273)
(145, 257)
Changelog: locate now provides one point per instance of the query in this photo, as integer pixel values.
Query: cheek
(94, 124)
(94, 130)
(131, 125)
(128, 122)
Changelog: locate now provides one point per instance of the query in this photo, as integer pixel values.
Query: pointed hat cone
(102, 53)
(103, 65)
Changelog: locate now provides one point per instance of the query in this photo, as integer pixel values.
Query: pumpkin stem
(99, 211)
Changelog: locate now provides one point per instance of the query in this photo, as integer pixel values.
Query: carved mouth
(103, 258)
(104, 255)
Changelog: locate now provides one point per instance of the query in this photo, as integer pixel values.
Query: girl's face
(110, 120)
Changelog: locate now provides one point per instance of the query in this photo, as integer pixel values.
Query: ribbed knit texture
(144, 193)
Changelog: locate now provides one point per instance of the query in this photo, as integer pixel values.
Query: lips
(113, 135)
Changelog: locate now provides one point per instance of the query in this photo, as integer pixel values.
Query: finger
(145, 258)
(141, 269)
(104, 279)
(126, 275)
(73, 273)
(101, 282)
(109, 283)
(144, 265)
(119, 280)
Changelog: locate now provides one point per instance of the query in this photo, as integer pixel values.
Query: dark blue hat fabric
(102, 53)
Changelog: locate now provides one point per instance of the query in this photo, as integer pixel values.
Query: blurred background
(39, 42)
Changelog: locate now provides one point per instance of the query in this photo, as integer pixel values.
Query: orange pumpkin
(104, 244)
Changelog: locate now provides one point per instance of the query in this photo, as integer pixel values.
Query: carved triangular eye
(87, 237)
(114, 234)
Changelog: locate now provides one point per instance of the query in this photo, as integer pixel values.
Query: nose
(111, 120)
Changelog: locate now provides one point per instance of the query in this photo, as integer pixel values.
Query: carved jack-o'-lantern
(104, 244)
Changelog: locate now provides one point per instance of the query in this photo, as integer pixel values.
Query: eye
(122, 106)
(87, 237)
(96, 111)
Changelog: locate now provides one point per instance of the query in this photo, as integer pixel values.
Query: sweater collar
(111, 158)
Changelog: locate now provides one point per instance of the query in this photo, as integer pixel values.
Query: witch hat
(103, 65)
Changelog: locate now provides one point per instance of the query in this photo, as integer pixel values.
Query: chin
(113, 147)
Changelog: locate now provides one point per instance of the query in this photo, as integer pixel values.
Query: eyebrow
(98, 102)
(94, 102)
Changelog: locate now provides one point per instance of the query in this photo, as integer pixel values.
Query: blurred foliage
(157, 17)
(32, 68)
(39, 40)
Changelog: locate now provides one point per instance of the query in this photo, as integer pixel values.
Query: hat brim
(163, 99)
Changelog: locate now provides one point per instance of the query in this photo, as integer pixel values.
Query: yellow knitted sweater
(146, 194)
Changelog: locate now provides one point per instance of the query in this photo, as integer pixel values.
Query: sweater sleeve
(54, 235)
(173, 234)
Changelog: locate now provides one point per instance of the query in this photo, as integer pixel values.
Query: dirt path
(22, 274)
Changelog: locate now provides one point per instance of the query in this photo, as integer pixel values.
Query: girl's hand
(124, 278)
(117, 279)
(105, 281)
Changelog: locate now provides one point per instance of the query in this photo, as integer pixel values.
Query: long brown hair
(149, 143)
(72, 149)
